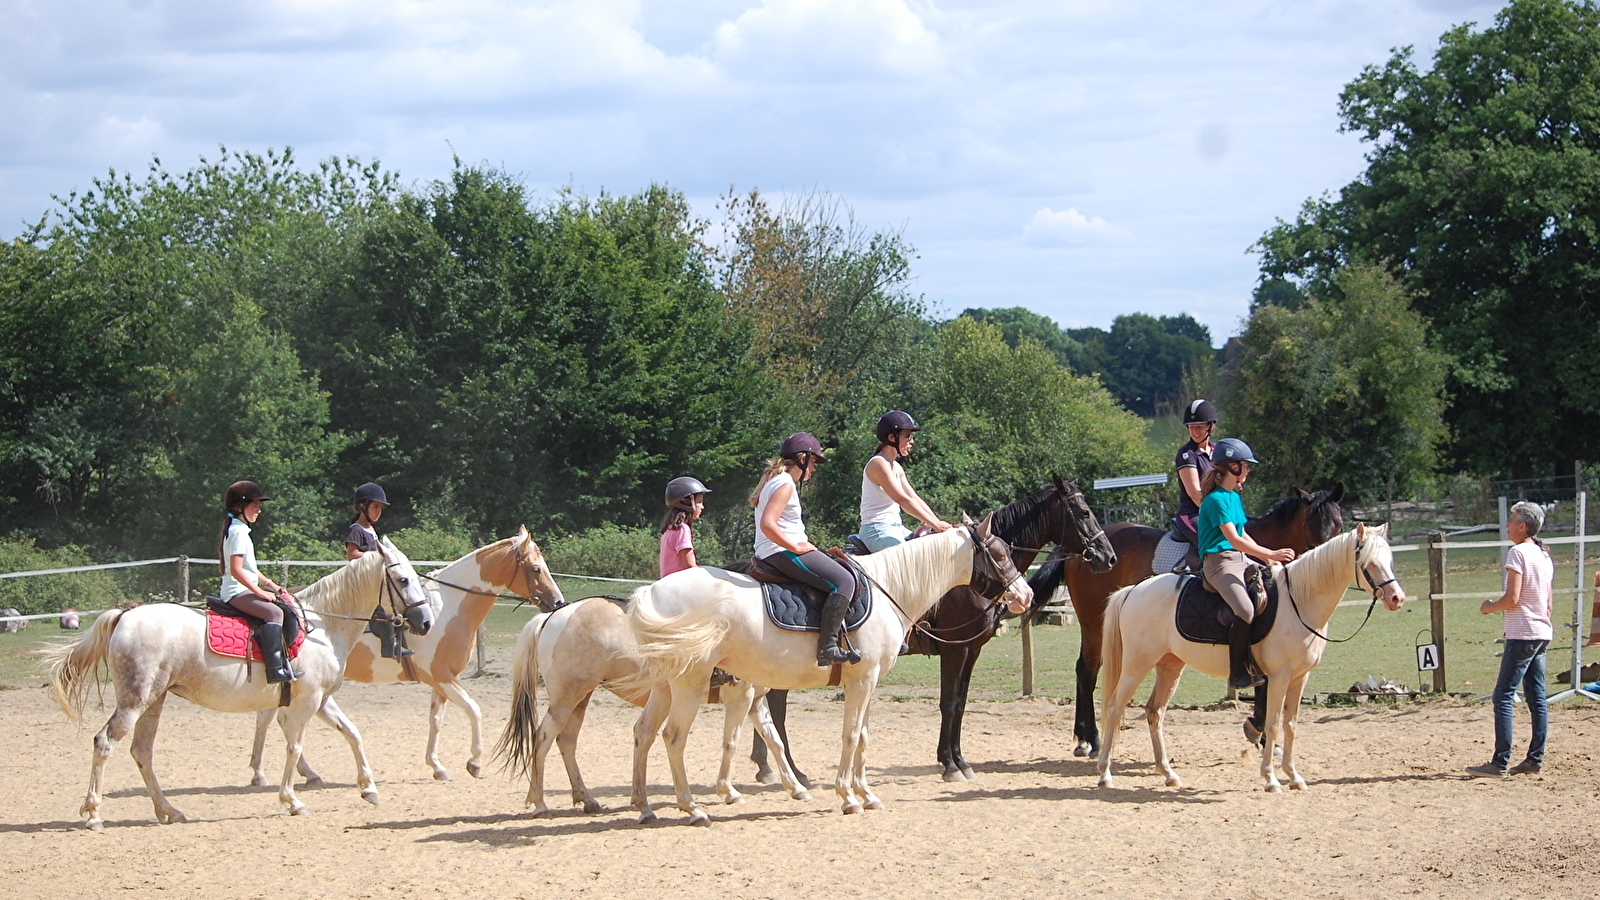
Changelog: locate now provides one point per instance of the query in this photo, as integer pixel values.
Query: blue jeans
(881, 536)
(1521, 663)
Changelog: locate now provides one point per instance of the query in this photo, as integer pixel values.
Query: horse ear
(1060, 485)
(1382, 530)
(1338, 493)
(1361, 531)
(984, 527)
(1304, 495)
(966, 519)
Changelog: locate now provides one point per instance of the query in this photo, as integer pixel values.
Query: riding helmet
(894, 421)
(1200, 412)
(371, 492)
(798, 443)
(681, 491)
(1232, 450)
(240, 493)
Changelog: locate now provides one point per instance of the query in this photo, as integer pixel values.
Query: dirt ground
(1388, 813)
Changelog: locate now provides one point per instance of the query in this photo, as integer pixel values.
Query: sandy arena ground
(1389, 813)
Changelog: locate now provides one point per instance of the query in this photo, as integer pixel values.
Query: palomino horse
(1299, 521)
(584, 646)
(159, 648)
(1141, 633)
(700, 618)
(466, 591)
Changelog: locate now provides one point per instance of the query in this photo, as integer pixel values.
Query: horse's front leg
(1168, 671)
(687, 691)
(330, 713)
(294, 721)
(736, 703)
(768, 733)
(645, 730)
(1277, 688)
(952, 658)
(1083, 719)
(850, 781)
(143, 750)
(1291, 716)
(459, 696)
(964, 690)
(436, 708)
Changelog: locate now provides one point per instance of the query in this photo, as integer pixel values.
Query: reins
(1376, 587)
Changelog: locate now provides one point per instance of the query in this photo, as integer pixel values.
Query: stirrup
(835, 656)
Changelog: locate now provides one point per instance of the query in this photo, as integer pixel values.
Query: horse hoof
(299, 809)
(441, 775)
(314, 781)
(474, 769)
(970, 775)
(1105, 781)
(733, 798)
(1174, 781)
(954, 775)
(1274, 788)
(96, 825)
(801, 795)
(260, 781)
(1297, 785)
(542, 812)
(874, 803)
(370, 795)
(766, 776)
(699, 819)
(647, 817)
(851, 809)
(591, 807)
(1083, 749)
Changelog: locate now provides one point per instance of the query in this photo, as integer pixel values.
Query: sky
(1083, 159)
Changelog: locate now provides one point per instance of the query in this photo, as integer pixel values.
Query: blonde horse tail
(516, 743)
(73, 664)
(670, 645)
(1111, 645)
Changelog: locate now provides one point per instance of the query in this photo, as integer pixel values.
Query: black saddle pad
(1199, 612)
(795, 607)
(291, 617)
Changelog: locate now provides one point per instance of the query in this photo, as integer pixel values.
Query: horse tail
(1111, 643)
(516, 743)
(74, 664)
(1045, 582)
(670, 645)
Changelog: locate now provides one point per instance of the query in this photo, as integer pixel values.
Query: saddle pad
(230, 636)
(1198, 612)
(794, 607)
(1169, 553)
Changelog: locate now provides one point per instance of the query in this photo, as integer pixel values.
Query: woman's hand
(1281, 556)
(938, 525)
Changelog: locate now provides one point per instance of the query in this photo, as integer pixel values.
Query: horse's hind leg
(687, 690)
(461, 698)
(736, 702)
(116, 728)
(567, 740)
(334, 716)
(435, 724)
(644, 735)
(1168, 670)
(143, 750)
(767, 732)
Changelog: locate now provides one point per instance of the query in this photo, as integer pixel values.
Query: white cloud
(827, 39)
(1049, 228)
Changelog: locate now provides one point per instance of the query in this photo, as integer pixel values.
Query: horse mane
(919, 567)
(1023, 521)
(1328, 564)
(349, 590)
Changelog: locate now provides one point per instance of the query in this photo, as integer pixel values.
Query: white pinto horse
(463, 594)
(158, 648)
(1141, 633)
(703, 617)
(587, 645)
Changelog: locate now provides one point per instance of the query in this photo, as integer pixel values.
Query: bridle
(1376, 586)
(1087, 540)
(528, 571)
(986, 545)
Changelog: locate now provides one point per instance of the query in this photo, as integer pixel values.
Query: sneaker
(1487, 770)
(1526, 767)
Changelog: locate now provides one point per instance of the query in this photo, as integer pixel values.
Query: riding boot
(1239, 656)
(270, 636)
(1254, 586)
(388, 637)
(828, 651)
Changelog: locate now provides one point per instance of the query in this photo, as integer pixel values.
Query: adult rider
(885, 491)
(1193, 462)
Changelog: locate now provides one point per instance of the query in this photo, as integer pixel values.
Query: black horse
(963, 620)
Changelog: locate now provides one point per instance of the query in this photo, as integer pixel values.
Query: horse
(700, 618)
(154, 649)
(586, 645)
(1300, 521)
(464, 592)
(1141, 633)
(964, 620)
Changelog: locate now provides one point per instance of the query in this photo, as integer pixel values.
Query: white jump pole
(1577, 610)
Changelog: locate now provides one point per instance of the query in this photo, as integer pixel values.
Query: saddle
(798, 607)
(231, 633)
(1204, 617)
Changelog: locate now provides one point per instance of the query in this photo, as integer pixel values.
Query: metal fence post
(183, 579)
(1436, 603)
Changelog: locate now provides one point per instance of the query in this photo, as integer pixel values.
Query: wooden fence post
(183, 579)
(1027, 654)
(1436, 602)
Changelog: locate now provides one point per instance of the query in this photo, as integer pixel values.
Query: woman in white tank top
(885, 491)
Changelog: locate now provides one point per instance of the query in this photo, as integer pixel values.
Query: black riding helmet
(1200, 412)
(681, 491)
(241, 493)
(798, 443)
(893, 422)
(371, 492)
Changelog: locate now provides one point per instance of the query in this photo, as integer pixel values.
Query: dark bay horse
(964, 620)
(1299, 521)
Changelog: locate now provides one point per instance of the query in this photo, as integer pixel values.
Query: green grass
(1385, 648)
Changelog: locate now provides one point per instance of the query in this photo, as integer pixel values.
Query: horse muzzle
(419, 619)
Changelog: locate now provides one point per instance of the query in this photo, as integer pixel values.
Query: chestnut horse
(1299, 521)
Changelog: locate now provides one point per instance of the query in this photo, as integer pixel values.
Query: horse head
(402, 591)
(537, 584)
(1091, 540)
(1375, 563)
(994, 575)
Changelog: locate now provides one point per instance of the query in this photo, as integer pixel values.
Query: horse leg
(736, 703)
(1276, 690)
(459, 696)
(644, 735)
(1083, 724)
(850, 781)
(258, 748)
(1168, 670)
(116, 728)
(435, 723)
(687, 691)
(762, 720)
(1115, 705)
(544, 737)
(567, 740)
(963, 689)
(777, 705)
(1291, 715)
(294, 721)
(951, 660)
(143, 750)
(330, 713)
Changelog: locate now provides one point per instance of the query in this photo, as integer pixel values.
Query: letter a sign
(1427, 657)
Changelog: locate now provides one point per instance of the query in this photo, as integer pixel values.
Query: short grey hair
(1531, 513)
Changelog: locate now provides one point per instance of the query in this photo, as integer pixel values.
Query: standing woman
(1528, 606)
(362, 536)
(781, 541)
(243, 586)
(885, 491)
(1223, 545)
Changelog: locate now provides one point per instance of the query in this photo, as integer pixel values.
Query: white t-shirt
(1529, 620)
(237, 543)
(790, 524)
(876, 507)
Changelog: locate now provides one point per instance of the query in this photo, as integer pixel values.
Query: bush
(441, 541)
(615, 551)
(52, 593)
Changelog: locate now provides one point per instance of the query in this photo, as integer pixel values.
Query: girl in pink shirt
(686, 500)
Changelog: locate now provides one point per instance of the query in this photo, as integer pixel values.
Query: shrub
(615, 551)
(52, 593)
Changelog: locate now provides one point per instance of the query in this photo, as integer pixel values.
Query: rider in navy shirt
(1193, 462)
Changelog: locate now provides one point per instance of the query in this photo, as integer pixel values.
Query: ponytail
(222, 540)
(774, 466)
(673, 520)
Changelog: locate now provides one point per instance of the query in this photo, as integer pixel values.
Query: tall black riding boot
(828, 650)
(1239, 657)
(270, 637)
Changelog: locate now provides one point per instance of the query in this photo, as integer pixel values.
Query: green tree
(1482, 188)
(1340, 390)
